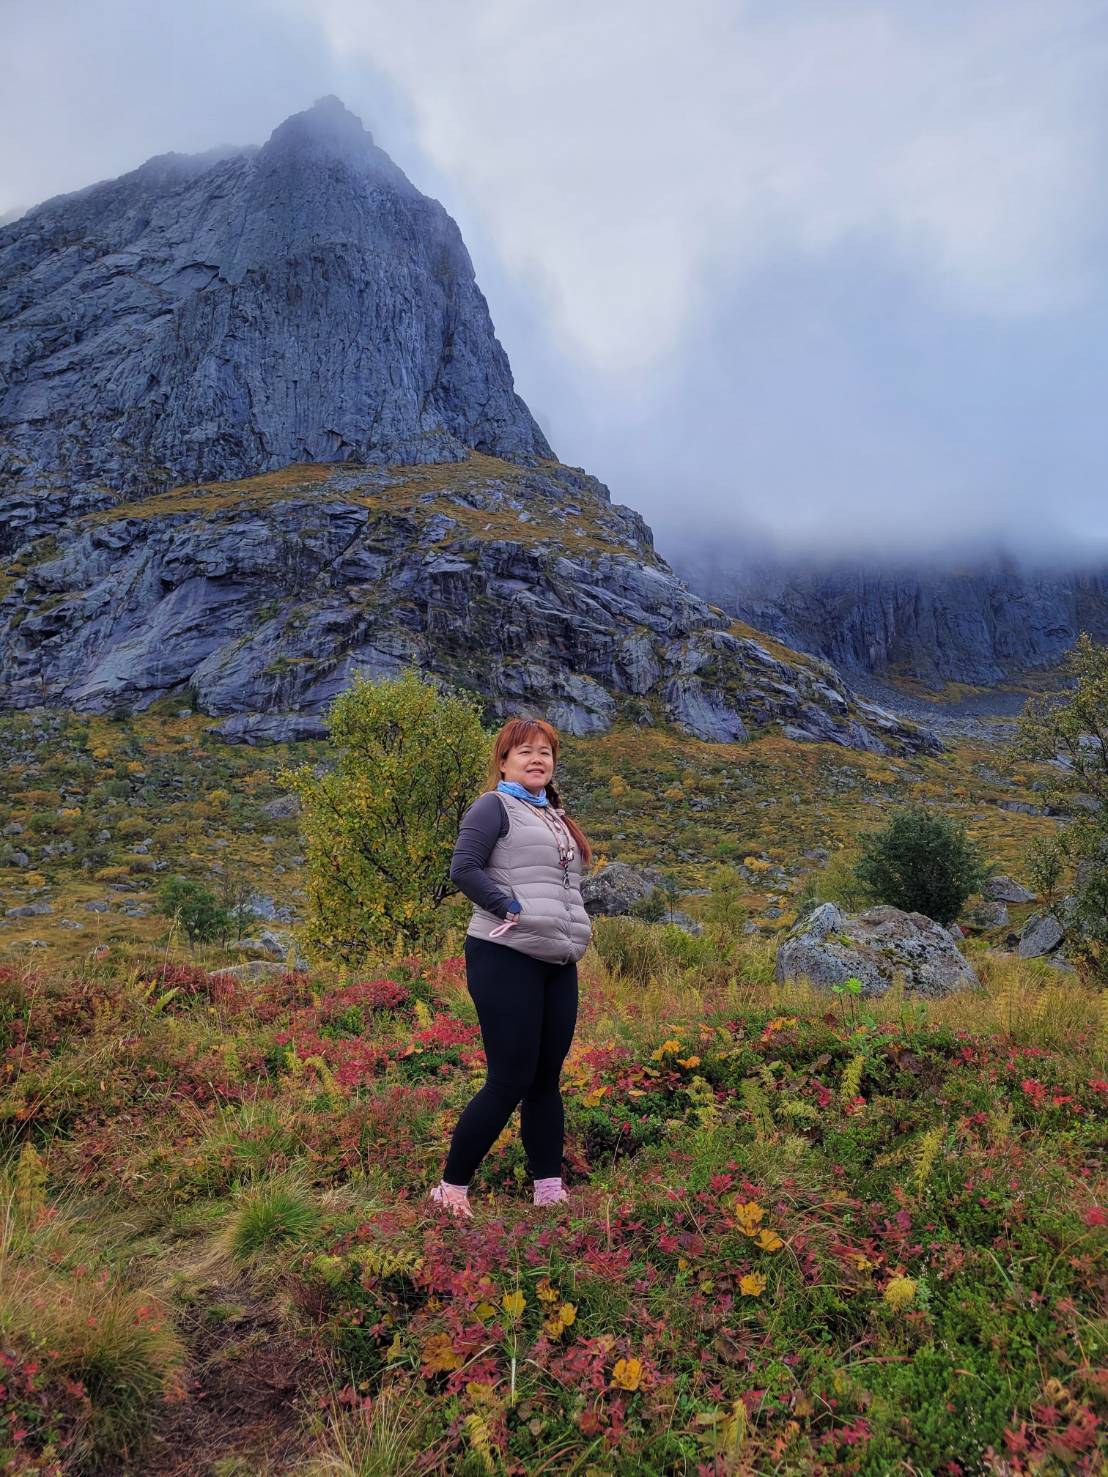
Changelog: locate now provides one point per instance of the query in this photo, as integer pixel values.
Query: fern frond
(480, 1438)
(852, 1078)
(794, 1107)
(757, 1105)
(924, 1155)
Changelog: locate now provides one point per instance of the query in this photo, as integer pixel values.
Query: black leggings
(528, 1011)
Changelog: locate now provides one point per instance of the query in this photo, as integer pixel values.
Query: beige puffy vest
(525, 862)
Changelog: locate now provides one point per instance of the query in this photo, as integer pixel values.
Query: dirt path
(246, 1382)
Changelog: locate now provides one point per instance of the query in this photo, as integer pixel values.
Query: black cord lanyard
(562, 836)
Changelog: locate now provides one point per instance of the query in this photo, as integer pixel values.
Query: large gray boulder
(987, 915)
(253, 969)
(283, 807)
(1006, 890)
(616, 888)
(1041, 934)
(876, 947)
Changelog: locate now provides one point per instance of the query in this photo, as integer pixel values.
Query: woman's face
(530, 764)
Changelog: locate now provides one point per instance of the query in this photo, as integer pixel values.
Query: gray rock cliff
(257, 434)
(259, 599)
(983, 624)
(225, 314)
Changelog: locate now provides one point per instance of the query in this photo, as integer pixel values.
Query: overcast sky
(836, 272)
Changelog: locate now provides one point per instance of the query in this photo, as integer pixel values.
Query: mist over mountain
(986, 618)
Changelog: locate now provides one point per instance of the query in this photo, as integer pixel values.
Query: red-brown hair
(525, 731)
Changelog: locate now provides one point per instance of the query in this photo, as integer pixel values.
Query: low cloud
(830, 271)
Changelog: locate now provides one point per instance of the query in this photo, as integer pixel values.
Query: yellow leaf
(769, 1240)
(753, 1284)
(667, 1048)
(546, 1291)
(688, 1061)
(513, 1304)
(394, 1350)
(567, 1313)
(439, 1354)
(591, 1099)
(627, 1374)
(484, 1311)
(748, 1216)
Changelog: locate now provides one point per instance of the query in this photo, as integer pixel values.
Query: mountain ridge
(986, 622)
(260, 435)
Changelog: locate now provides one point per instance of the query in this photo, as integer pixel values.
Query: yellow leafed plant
(627, 1374)
(439, 1354)
(513, 1304)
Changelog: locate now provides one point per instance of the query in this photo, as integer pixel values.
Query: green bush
(195, 907)
(723, 912)
(643, 951)
(651, 908)
(270, 1216)
(837, 881)
(922, 862)
(379, 828)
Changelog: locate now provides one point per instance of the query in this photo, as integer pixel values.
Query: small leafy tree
(922, 862)
(195, 907)
(723, 912)
(379, 828)
(671, 892)
(235, 896)
(1070, 732)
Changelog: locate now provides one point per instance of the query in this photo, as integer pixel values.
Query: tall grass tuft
(271, 1215)
(389, 1440)
(115, 1342)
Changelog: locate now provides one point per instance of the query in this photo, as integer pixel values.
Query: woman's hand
(511, 918)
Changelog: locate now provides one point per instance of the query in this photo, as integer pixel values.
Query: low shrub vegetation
(800, 1239)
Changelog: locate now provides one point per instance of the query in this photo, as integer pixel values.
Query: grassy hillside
(800, 1239)
(100, 809)
(803, 1237)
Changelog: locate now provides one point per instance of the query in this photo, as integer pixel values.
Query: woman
(518, 859)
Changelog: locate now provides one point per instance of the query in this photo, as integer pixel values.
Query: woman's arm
(482, 827)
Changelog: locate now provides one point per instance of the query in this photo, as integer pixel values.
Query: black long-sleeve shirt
(482, 826)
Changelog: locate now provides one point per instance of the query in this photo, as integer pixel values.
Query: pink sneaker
(550, 1192)
(454, 1197)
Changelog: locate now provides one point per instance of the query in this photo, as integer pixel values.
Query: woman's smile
(529, 764)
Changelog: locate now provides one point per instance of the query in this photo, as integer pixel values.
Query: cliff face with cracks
(260, 599)
(986, 623)
(226, 314)
(257, 434)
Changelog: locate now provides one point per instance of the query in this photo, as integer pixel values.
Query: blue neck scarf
(509, 787)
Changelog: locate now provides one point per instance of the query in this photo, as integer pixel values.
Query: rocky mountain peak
(228, 314)
(257, 435)
(329, 130)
